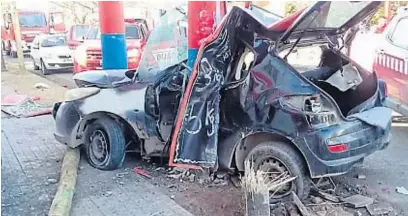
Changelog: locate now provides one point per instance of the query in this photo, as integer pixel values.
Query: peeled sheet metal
(377, 116)
(28, 108)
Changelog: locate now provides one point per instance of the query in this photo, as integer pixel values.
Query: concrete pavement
(31, 160)
(385, 170)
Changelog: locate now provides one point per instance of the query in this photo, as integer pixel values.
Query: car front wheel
(105, 144)
(44, 69)
(278, 159)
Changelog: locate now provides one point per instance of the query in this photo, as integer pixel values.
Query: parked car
(88, 55)
(391, 61)
(50, 53)
(242, 102)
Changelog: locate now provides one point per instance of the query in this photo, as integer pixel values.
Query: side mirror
(130, 74)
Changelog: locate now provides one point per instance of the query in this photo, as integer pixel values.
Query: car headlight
(133, 53)
(80, 93)
(80, 55)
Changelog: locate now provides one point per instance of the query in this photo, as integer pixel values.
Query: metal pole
(113, 40)
(17, 35)
(200, 17)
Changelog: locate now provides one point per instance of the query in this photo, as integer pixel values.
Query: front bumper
(362, 140)
(58, 64)
(67, 120)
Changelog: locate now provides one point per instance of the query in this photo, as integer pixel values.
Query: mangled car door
(195, 135)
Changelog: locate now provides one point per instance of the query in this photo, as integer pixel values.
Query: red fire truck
(88, 55)
(31, 23)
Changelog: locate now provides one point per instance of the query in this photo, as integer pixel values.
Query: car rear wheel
(44, 69)
(278, 159)
(36, 67)
(105, 144)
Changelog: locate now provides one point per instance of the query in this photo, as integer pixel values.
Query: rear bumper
(396, 106)
(362, 140)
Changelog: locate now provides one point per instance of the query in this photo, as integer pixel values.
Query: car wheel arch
(89, 118)
(250, 141)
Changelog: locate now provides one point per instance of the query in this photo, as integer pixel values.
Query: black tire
(287, 156)
(44, 69)
(115, 146)
(13, 54)
(36, 67)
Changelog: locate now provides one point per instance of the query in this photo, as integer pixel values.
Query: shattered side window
(166, 45)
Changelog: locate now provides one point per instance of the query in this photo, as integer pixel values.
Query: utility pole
(16, 26)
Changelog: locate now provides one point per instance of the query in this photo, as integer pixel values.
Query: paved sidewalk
(120, 192)
(30, 167)
(31, 161)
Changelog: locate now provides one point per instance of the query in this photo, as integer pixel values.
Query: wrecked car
(243, 100)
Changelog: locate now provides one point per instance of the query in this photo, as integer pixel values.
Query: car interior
(346, 82)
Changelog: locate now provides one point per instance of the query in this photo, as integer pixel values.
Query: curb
(62, 202)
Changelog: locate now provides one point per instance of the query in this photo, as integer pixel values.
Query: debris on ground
(108, 193)
(338, 211)
(41, 86)
(325, 195)
(379, 208)
(236, 181)
(402, 190)
(256, 192)
(13, 99)
(52, 181)
(358, 201)
(24, 107)
(316, 200)
(141, 172)
(299, 204)
(361, 177)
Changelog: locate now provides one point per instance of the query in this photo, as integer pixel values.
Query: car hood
(56, 50)
(330, 18)
(102, 78)
(96, 44)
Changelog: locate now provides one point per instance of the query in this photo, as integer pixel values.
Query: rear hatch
(352, 89)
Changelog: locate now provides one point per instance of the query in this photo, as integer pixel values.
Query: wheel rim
(98, 148)
(274, 168)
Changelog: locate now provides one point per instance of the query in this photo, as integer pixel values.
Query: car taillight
(338, 148)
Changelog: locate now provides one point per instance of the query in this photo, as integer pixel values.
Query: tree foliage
(80, 12)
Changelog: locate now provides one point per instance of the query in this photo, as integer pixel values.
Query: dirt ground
(24, 81)
(206, 195)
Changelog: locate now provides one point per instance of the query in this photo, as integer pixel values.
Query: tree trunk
(16, 25)
(3, 64)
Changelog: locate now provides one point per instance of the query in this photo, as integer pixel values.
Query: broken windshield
(332, 16)
(166, 46)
